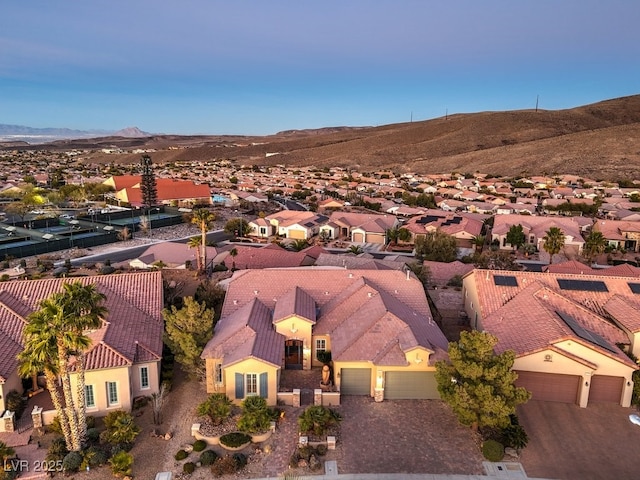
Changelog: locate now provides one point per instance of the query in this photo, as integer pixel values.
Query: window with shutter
(264, 385)
(239, 386)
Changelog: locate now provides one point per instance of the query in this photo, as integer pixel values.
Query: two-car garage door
(553, 387)
(407, 385)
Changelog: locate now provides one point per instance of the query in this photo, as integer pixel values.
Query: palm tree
(404, 234)
(203, 218)
(54, 335)
(553, 242)
(195, 242)
(356, 249)
(478, 242)
(299, 244)
(594, 245)
(392, 235)
(234, 253)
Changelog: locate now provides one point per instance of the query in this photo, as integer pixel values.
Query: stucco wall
(154, 379)
(99, 379)
(251, 365)
(14, 382)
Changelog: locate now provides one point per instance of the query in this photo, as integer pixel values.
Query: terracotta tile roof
(539, 295)
(364, 311)
(374, 223)
(625, 311)
(359, 263)
(440, 272)
(267, 256)
(295, 302)
(173, 254)
(131, 332)
(571, 266)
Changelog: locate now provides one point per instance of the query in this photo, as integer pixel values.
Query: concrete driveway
(568, 442)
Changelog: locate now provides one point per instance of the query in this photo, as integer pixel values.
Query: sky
(263, 66)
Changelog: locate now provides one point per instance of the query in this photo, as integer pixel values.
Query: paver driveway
(568, 442)
(404, 436)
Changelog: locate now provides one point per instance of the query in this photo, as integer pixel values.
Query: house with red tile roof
(296, 224)
(620, 234)
(263, 256)
(169, 190)
(174, 255)
(464, 227)
(376, 323)
(124, 359)
(363, 227)
(569, 331)
(535, 228)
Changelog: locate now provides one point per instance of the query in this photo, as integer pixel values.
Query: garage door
(550, 387)
(355, 381)
(403, 385)
(605, 389)
(297, 234)
(358, 237)
(375, 238)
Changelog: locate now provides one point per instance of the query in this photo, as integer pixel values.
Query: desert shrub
(91, 421)
(54, 426)
(324, 356)
(121, 464)
(181, 455)
(234, 439)
(224, 466)
(189, 468)
(15, 403)
(199, 445)
(57, 450)
(493, 450)
(95, 456)
(208, 457)
(293, 461)
(72, 461)
(121, 428)
(93, 435)
(304, 452)
(217, 407)
(321, 450)
(240, 459)
(256, 415)
(317, 419)
(514, 434)
(5, 277)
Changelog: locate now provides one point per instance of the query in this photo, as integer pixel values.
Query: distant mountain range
(31, 135)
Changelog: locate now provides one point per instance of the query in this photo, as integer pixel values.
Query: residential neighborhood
(373, 275)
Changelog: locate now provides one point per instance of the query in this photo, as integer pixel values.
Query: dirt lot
(568, 442)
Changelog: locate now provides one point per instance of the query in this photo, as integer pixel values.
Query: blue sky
(258, 67)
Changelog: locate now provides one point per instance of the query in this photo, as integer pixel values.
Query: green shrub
(181, 455)
(121, 428)
(224, 466)
(240, 459)
(317, 419)
(493, 450)
(321, 450)
(95, 456)
(54, 426)
(293, 461)
(208, 457)
(189, 468)
(324, 356)
(514, 434)
(93, 435)
(72, 461)
(234, 439)
(91, 422)
(256, 415)
(121, 464)
(304, 452)
(199, 445)
(57, 450)
(5, 277)
(217, 407)
(15, 403)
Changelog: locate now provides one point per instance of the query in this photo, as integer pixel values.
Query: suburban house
(124, 360)
(376, 324)
(569, 331)
(535, 228)
(242, 257)
(183, 193)
(295, 224)
(463, 227)
(620, 234)
(360, 227)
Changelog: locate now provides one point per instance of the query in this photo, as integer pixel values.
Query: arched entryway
(293, 354)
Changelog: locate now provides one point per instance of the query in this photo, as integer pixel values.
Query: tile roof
(131, 332)
(265, 256)
(364, 311)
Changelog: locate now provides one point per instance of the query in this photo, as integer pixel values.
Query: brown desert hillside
(599, 140)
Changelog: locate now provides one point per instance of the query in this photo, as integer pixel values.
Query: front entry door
(293, 354)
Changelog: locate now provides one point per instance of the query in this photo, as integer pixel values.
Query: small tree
(516, 237)
(594, 245)
(217, 407)
(121, 464)
(477, 383)
(436, 246)
(553, 242)
(238, 227)
(121, 428)
(187, 331)
(157, 403)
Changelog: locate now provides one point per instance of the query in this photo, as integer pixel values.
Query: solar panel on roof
(583, 285)
(635, 287)
(456, 220)
(585, 334)
(505, 280)
(428, 219)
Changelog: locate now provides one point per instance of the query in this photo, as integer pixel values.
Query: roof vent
(255, 292)
(235, 302)
(370, 294)
(351, 275)
(407, 274)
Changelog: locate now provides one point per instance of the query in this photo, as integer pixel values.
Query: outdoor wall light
(586, 384)
(293, 328)
(628, 384)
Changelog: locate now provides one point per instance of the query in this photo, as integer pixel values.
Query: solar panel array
(635, 287)
(505, 280)
(583, 285)
(585, 334)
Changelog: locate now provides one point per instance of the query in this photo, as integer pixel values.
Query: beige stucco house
(124, 360)
(569, 331)
(376, 324)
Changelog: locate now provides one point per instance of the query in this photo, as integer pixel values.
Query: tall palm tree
(195, 242)
(594, 245)
(299, 244)
(203, 218)
(553, 242)
(54, 335)
(478, 242)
